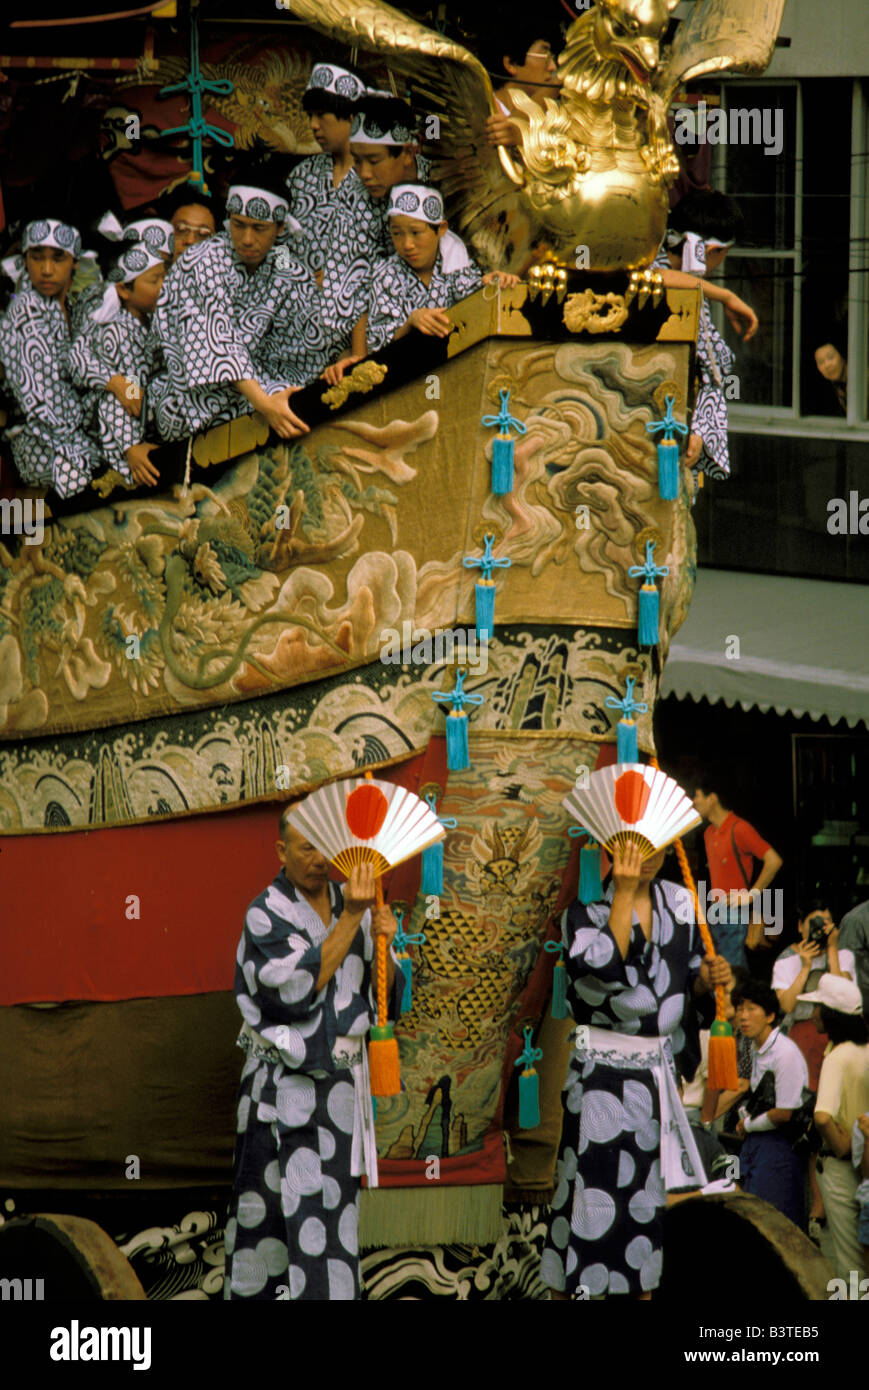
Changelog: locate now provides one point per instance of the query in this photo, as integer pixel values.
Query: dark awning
(803, 646)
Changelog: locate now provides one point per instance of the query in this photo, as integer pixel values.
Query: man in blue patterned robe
(305, 1127)
(240, 323)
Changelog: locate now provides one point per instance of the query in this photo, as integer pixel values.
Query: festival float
(464, 580)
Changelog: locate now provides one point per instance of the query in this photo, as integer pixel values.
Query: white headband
(693, 250)
(327, 77)
(408, 200)
(367, 130)
(133, 262)
(242, 201)
(153, 231)
(47, 232)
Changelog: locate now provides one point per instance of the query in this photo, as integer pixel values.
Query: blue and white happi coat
(217, 322)
(52, 446)
(714, 363)
(606, 1225)
(396, 291)
(118, 347)
(343, 229)
(292, 1231)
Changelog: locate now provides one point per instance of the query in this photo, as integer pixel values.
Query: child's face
(50, 270)
(379, 170)
(330, 132)
(141, 294)
(715, 256)
(416, 242)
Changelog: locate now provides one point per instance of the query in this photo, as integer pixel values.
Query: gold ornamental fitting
(546, 279)
(648, 533)
(432, 789)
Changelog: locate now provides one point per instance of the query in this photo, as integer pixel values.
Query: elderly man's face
(304, 865)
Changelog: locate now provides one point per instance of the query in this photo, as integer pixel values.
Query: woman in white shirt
(843, 1095)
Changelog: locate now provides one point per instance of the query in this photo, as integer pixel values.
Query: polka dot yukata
(293, 1218)
(606, 1222)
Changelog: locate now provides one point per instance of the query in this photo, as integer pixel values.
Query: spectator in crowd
(797, 970)
(525, 49)
(831, 362)
(843, 1096)
(732, 846)
(854, 937)
(860, 1160)
(769, 1168)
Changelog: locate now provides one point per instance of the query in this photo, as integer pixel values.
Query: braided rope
(382, 992)
(705, 933)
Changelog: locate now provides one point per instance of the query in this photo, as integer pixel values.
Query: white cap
(837, 993)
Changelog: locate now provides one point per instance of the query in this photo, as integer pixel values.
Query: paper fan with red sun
(632, 801)
(366, 821)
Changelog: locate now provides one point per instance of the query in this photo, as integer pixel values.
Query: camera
(817, 931)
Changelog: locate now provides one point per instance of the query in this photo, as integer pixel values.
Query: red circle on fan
(366, 811)
(631, 796)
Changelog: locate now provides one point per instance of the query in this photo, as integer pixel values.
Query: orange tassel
(382, 1047)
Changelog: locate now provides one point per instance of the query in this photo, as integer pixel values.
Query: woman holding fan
(636, 972)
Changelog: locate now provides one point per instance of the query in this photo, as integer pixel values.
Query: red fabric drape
(65, 900)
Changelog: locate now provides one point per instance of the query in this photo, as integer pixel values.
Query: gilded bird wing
(718, 35)
(450, 83)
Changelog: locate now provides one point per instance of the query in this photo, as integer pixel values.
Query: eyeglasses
(183, 228)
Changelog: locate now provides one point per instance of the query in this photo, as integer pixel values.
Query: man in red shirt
(732, 846)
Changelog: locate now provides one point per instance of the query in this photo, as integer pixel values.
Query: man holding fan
(305, 1123)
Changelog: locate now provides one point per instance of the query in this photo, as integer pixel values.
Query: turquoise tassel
(647, 626)
(590, 886)
(433, 858)
(433, 869)
(668, 451)
(407, 971)
(647, 633)
(502, 465)
(485, 588)
(627, 750)
(502, 445)
(559, 980)
(668, 470)
(529, 1096)
(458, 755)
(458, 751)
(485, 595)
(401, 941)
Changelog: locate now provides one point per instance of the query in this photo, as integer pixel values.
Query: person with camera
(798, 969)
(843, 1096)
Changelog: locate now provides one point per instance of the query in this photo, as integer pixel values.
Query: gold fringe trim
(430, 1215)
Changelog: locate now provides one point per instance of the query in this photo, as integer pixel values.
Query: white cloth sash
(364, 1155)
(351, 1053)
(600, 1044)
